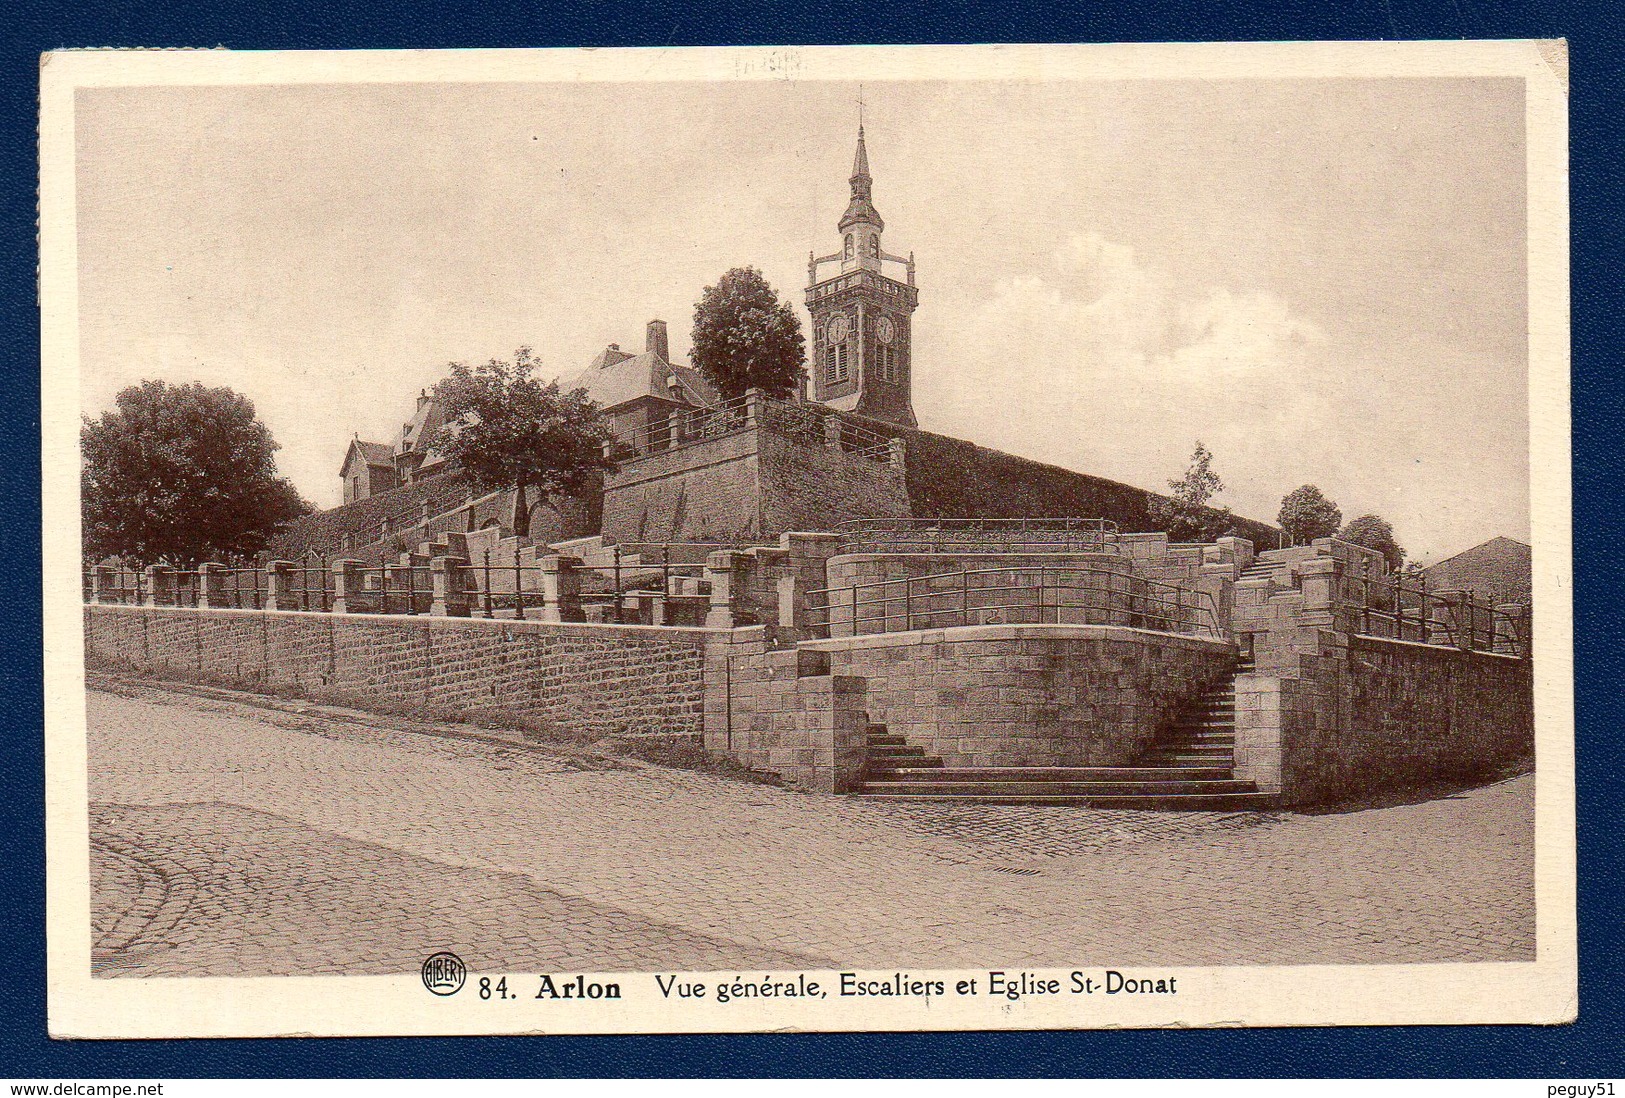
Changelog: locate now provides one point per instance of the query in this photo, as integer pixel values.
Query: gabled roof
(373, 453)
(1497, 546)
(1498, 568)
(617, 378)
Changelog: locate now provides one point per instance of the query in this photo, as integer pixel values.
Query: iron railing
(1455, 618)
(1042, 595)
(792, 420)
(977, 535)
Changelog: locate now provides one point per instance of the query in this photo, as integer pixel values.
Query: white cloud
(1107, 365)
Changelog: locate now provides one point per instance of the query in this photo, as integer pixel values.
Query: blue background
(1590, 1048)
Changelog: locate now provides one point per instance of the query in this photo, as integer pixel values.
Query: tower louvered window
(886, 363)
(836, 367)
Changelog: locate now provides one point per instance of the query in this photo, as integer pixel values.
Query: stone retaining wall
(596, 679)
(981, 696)
(1357, 716)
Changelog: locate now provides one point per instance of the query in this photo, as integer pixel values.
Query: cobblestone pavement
(235, 839)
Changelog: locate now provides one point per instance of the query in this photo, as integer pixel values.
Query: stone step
(894, 751)
(1158, 758)
(885, 740)
(1058, 789)
(889, 764)
(1053, 773)
(1198, 802)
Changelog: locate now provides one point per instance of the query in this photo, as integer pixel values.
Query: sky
(1322, 280)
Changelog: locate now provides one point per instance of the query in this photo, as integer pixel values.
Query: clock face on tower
(838, 328)
(884, 330)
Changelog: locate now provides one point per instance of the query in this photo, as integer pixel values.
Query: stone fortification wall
(704, 491)
(753, 484)
(811, 487)
(951, 478)
(595, 679)
(982, 696)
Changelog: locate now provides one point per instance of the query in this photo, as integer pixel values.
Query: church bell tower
(861, 328)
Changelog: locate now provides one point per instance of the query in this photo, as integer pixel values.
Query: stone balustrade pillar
(1319, 578)
(103, 584)
(1512, 629)
(1446, 620)
(724, 569)
(450, 588)
(896, 453)
(211, 590)
(1216, 595)
(803, 571)
(160, 588)
(348, 579)
(753, 407)
(279, 586)
(561, 588)
(832, 432)
(1237, 552)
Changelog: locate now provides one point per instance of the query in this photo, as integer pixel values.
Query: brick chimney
(655, 340)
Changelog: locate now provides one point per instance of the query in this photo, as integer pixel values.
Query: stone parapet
(592, 679)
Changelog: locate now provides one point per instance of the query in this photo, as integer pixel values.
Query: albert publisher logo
(444, 973)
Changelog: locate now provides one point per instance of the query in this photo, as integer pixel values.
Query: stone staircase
(1190, 766)
(1277, 573)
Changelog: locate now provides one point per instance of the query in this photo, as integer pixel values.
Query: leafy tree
(1186, 514)
(508, 430)
(745, 337)
(1375, 532)
(180, 474)
(1306, 514)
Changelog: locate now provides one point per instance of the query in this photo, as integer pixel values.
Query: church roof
(615, 377)
(861, 209)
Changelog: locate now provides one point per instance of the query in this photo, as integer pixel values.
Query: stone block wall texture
(807, 486)
(1331, 716)
(938, 602)
(591, 679)
(754, 484)
(1368, 714)
(704, 491)
(1023, 695)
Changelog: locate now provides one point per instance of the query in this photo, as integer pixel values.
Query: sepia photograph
(845, 538)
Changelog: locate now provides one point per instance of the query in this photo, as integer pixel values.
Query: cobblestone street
(238, 839)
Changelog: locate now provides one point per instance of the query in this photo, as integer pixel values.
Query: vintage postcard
(642, 541)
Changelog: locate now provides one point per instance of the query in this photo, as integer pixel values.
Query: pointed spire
(861, 209)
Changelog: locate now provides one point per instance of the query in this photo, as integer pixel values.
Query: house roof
(615, 378)
(426, 419)
(1500, 568)
(373, 453)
